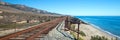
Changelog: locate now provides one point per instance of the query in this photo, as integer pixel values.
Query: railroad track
(34, 33)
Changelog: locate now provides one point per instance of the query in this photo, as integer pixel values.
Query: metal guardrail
(59, 30)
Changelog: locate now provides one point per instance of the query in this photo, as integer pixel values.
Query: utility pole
(76, 21)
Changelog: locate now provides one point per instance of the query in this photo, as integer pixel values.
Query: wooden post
(78, 31)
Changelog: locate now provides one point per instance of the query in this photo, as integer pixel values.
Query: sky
(75, 7)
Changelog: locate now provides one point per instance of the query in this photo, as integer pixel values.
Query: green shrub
(75, 36)
(82, 33)
(98, 38)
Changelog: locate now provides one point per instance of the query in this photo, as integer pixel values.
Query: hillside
(17, 8)
(12, 15)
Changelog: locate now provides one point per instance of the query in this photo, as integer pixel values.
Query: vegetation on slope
(82, 33)
(74, 34)
(98, 38)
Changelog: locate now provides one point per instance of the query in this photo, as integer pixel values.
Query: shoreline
(90, 30)
(97, 27)
(100, 29)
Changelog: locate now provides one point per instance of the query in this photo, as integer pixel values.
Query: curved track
(34, 33)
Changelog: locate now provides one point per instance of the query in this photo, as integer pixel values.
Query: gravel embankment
(58, 33)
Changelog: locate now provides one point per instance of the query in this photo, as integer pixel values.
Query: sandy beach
(89, 30)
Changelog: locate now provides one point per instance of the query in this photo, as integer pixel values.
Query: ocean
(108, 24)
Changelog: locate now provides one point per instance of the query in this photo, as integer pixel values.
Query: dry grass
(74, 34)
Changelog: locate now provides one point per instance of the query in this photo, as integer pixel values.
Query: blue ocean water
(111, 24)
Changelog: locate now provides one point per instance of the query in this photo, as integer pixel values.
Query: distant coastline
(100, 29)
(96, 27)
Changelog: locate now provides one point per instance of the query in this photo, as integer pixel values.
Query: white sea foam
(97, 27)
